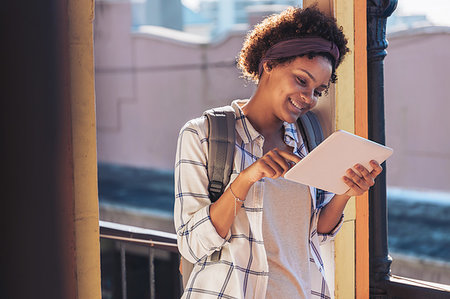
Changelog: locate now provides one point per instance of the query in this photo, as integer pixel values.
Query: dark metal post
(151, 260)
(123, 270)
(377, 13)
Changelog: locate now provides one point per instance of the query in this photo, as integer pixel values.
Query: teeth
(293, 103)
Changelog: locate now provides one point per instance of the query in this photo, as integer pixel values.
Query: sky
(437, 11)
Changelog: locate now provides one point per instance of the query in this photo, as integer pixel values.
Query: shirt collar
(243, 125)
(290, 134)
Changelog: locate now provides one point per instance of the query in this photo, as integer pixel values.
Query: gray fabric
(286, 225)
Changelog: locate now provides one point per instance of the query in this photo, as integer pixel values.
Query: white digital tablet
(325, 166)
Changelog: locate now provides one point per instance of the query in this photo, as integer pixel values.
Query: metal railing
(123, 244)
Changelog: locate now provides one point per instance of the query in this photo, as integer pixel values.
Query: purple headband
(299, 46)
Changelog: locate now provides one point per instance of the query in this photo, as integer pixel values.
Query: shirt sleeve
(197, 237)
(323, 199)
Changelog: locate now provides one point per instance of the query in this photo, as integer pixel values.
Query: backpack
(221, 146)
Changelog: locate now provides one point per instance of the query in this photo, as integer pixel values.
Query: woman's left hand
(360, 182)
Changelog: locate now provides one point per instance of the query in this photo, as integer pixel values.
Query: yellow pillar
(345, 116)
(87, 251)
(352, 244)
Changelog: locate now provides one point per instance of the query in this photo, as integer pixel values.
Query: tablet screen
(325, 166)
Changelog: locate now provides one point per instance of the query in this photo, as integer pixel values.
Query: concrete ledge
(156, 220)
(420, 268)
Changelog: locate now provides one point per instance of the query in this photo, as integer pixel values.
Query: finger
(277, 169)
(365, 174)
(377, 169)
(289, 156)
(276, 165)
(357, 179)
(282, 162)
(354, 187)
(266, 169)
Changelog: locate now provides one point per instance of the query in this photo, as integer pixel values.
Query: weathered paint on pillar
(81, 15)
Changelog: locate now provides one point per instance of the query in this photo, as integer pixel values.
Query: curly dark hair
(293, 22)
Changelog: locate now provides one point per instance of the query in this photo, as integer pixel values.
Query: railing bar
(123, 271)
(419, 283)
(151, 257)
(150, 242)
(135, 230)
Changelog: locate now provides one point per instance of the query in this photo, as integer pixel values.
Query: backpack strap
(312, 134)
(221, 139)
(310, 129)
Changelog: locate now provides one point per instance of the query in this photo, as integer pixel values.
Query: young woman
(269, 247)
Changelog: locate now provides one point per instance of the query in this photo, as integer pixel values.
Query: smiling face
(293, 88)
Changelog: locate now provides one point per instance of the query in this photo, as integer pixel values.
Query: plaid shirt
(235, 266)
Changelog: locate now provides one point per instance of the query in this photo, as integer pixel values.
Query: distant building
(398, 23)
(165, 13)
(209, 18)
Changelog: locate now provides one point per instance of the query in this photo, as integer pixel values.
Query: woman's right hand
(273, 164)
